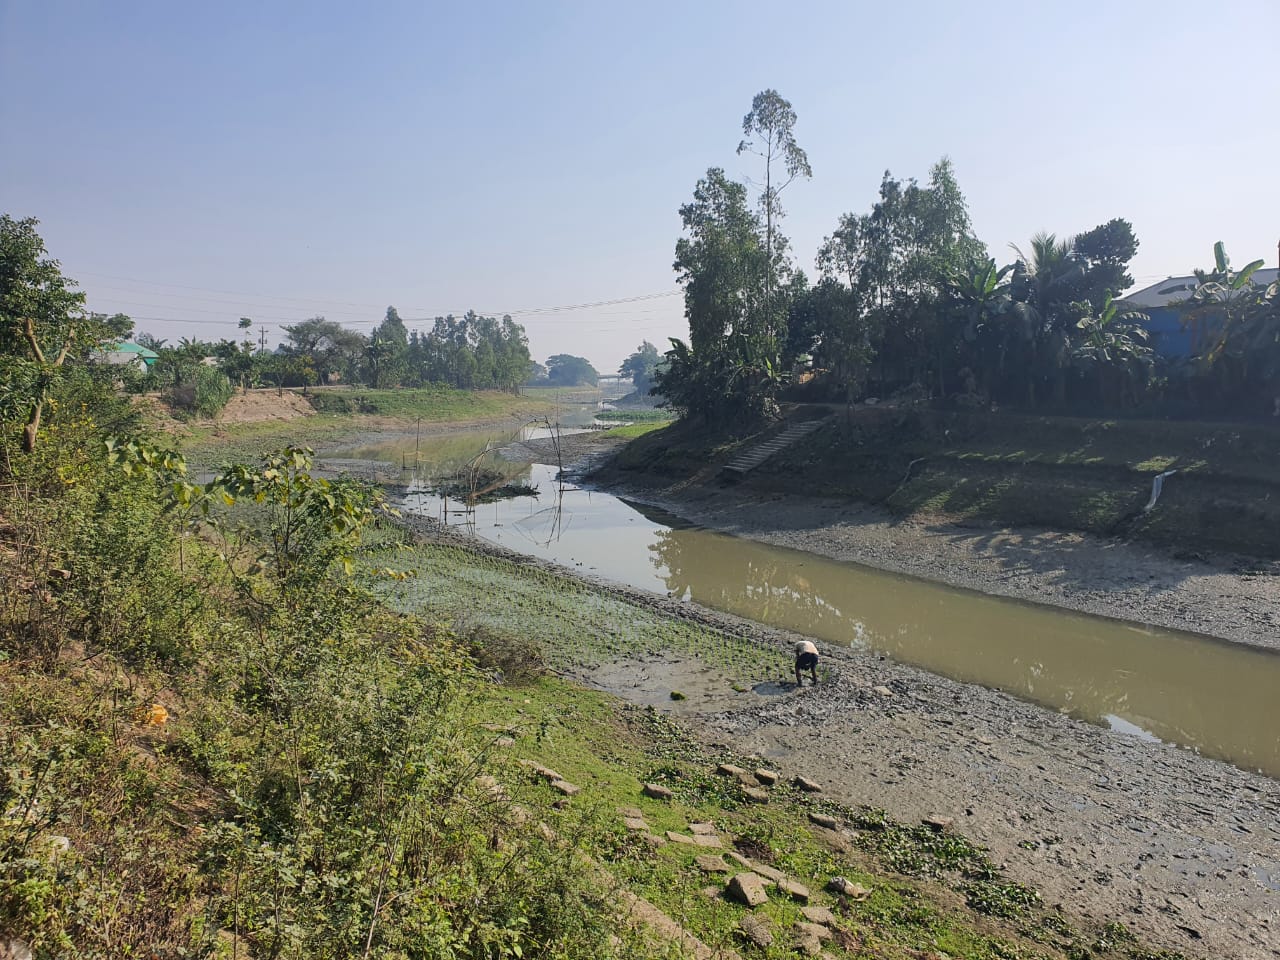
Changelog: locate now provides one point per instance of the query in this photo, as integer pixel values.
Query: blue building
(1161, 302)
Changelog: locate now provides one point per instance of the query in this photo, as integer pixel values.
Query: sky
(195, 163)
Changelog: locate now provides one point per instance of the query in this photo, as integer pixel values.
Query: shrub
(203, 394)
(515, 659)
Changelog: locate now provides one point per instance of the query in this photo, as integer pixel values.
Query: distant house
(131, 354)
(1160, 302)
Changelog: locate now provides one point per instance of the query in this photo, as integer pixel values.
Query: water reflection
(1211, 696)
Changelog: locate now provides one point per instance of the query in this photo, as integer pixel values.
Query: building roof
(139, 349)
(1173, 289)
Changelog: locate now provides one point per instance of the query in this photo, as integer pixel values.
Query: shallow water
(1215, 697)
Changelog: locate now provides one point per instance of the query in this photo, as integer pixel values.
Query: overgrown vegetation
(214, 741)
(909, 302)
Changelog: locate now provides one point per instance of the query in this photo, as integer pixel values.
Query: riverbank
(262, 420)
(1182, 849)
(1192, 587)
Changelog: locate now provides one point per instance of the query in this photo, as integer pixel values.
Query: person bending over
(806, 659)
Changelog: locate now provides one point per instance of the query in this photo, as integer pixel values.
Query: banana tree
(1232, 320)
(1111, 342)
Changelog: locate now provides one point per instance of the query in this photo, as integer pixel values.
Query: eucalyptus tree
(768, 132)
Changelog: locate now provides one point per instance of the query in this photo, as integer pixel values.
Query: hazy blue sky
(200, 162)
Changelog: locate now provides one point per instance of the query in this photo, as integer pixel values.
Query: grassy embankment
(1011, 470)
(340, 412)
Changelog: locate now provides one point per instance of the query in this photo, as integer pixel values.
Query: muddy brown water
(1211, 696)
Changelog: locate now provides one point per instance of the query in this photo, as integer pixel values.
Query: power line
(244, 297)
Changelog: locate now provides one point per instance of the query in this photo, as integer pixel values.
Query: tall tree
(332, 348)
(566, 370)
(640, 367)
(386, 353)
(731, 366)
(768, 131)
(896, 262)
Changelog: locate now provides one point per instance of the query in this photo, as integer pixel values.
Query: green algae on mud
(577, 625)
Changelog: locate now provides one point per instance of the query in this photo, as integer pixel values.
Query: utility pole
(262, 339)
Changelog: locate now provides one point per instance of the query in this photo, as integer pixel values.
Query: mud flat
(1183, 849)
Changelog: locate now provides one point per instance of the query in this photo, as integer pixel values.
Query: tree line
(471, 352)
(908, 300)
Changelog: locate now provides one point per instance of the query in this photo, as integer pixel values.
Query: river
(1207, 695)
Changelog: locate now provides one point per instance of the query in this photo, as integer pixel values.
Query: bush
(513, 658)
(204, 394)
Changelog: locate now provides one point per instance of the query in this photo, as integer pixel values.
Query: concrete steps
(744, 463)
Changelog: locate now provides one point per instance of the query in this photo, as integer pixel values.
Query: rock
(565, 787)
(657, 791)
(635, 812)
(653, 840)
(14, 949)
(730, 770)
(680, 838)
(807, 929)
(824, 820)
(794, 889)
(538, 770)
(755, 794)
(756, 930)
(807, 785)
(739, 859)
(490, 785)
(818, 914)
(768, 872)
(847, 888)
(704, 829)
(635, 824)
(712, 892)
(748, 889)
(808, 945)
(938, 823)
(883, 691)
(710, 863)
(767, 777)
(504, 742)
(705, 840)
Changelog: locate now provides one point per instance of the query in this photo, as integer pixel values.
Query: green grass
(637, 416)
(633, 430)
(433, 404)
(342, 413)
